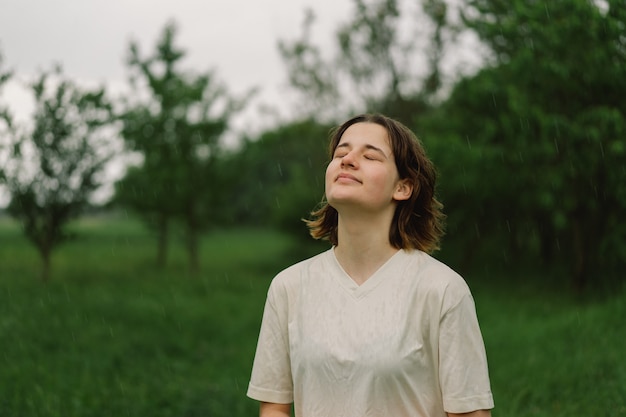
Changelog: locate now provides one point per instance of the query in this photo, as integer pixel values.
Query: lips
(345, 176)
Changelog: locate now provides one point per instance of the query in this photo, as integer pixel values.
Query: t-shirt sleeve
(463, 370)
(271, 371)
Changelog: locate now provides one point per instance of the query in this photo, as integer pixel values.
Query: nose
(348, 160)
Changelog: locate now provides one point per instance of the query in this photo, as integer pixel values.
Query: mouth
(347, 177)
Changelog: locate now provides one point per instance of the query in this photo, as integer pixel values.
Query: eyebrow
(368, 146)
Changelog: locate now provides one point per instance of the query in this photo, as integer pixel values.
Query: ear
(404, 190)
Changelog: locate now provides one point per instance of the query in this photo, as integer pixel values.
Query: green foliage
(308, 72)
(277, 179)
(369, 46)
(177, 129)
(115, 336)
(543, 127)
(374, 68)
(53, 168)
(280, 176)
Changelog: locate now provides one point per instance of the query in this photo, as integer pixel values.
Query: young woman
(374, 326)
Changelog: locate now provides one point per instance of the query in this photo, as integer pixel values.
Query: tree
(279, 175)
(279, 179)
(378, 66)
(177, 128)
(546, 119)
(53, 168)
(6, 124)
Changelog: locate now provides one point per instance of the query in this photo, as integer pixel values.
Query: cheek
(332, 169)
(328, 176)
(384, 180)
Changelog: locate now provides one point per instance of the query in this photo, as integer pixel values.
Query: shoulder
(431, 270)
(290, 279)
(436, 278)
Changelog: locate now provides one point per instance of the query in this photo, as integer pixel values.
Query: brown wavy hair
(418, 223)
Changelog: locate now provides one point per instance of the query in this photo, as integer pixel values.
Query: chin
(342, 201)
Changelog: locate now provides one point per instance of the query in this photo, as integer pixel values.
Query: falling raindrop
(556, 126)
(556, 145)
(602, 149)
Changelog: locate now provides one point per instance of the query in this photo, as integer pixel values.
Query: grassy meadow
(111, 335)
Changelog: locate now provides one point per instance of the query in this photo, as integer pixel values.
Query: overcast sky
(90, 38)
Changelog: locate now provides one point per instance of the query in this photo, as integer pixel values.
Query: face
(363, 171)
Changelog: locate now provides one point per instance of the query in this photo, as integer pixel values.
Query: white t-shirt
(404, 343)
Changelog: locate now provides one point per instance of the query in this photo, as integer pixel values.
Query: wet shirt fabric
(404, 343)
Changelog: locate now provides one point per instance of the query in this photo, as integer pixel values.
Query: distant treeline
(530, 147)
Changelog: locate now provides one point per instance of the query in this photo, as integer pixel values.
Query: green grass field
(111, 335)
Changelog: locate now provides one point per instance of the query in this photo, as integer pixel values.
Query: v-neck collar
(359, 291)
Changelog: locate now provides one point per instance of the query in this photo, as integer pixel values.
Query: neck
(363, 245)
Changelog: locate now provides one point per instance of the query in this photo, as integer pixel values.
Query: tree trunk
(589, 228)
(162, 240)
(194, 261)
(192, 242)
(45, 265)
(547, 238)
(579, 273)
